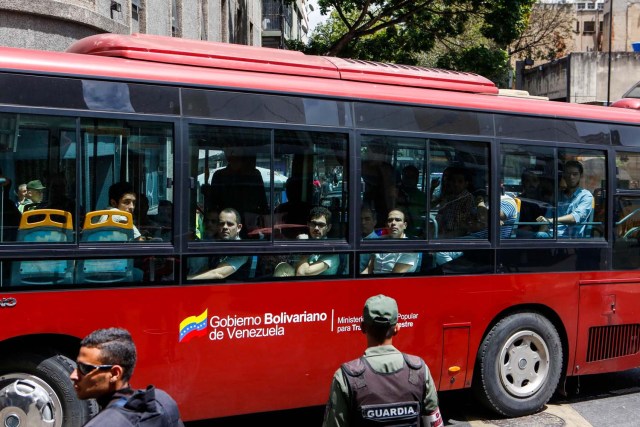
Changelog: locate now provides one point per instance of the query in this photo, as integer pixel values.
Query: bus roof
(198, 53)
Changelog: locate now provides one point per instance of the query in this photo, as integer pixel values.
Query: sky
(315, 17)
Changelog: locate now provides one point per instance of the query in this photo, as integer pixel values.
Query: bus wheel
(519, 365)
(35, 390)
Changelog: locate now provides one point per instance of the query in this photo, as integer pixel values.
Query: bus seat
(44, 226)
(107, 226)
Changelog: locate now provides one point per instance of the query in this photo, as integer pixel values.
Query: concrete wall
(583, 77)
(626, 25)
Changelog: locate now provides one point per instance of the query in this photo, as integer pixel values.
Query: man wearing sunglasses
(105, 363)
(317, 264)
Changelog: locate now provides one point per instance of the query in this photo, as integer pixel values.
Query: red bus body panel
(218, 373)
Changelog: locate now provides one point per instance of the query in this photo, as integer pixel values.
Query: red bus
(492, 297)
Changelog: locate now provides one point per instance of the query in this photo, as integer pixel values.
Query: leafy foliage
(404, 31)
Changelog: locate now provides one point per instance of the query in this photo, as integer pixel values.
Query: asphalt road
(593, 401)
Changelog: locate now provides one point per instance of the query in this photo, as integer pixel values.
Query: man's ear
(113, 203)
(396, 329)
(116, 373)
(239, 227)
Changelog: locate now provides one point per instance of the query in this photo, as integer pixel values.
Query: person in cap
(385, 386)
(35, 194)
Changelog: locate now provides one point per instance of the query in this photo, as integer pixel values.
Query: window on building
(175, 19)
(577, 26)
(580, 6)
(135, 10)
(589, 27)
(591, 6)
(600, 6)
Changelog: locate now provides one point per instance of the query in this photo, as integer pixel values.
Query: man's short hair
(116, 348)
(320, 211)
(401, 210)
(574, 164)
(119, 189)
(367, 207)
(232, 211)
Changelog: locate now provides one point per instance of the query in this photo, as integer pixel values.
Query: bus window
(626, 248)
(37, 168)
(129, 167)
(626, 231)
(378, 176)
(310, 163)
(232, 166)
(562, 198)
(527, 176)
(460, 198)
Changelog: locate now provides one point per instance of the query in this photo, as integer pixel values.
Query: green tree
(405, 31)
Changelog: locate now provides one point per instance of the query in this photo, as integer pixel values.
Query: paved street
(593, 401)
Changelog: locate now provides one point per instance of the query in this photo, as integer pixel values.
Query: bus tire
(41, 384)
(519, 365)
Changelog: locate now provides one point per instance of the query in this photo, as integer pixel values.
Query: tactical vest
(386, 399)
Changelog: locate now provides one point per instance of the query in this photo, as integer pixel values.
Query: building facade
(283, 21)
(56, 24)
(590, 72)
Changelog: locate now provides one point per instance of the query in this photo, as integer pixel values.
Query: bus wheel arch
(519, 363)
(39, 381)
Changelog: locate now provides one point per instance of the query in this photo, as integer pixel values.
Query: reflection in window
(473, 261)
(38, 169)
(274, 196)
(270, 267)
(130, 168)
(550, 260)
(626, 232)
(232, 168)
(314, 202)
(560, 194)
(94, 271)
(528, 176)
(460, 188)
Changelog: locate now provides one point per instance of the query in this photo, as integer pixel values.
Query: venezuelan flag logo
(193, 326)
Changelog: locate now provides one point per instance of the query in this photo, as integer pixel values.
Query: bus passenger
(295, 210)
(379, 179)
(412, 200)
(35, 194)
(105, 362)
(10, 213)
(575, 205)
(382, 263)
(318, 264)
(384, 380)
(240, 185)
(455, 204)
(21, 196)
(123, 198)
(229, 227)
(368, 221)
(531, 203)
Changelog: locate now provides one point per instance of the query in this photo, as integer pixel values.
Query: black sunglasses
(85, 368)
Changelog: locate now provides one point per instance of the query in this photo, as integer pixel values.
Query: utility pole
(609, 55)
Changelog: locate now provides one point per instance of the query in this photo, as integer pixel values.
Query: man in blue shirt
(575, 205)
